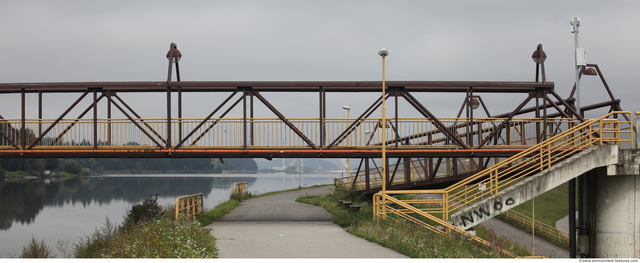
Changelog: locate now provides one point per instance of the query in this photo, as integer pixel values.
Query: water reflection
(71, 208)
(22, 201)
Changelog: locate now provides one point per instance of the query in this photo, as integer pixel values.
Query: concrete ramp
(535, 185)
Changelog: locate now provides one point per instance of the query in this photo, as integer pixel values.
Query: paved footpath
(276, 226)
(523, 238)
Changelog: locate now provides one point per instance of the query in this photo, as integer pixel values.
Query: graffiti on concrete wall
(484, 212)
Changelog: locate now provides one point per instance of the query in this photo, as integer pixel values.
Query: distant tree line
(86, 166)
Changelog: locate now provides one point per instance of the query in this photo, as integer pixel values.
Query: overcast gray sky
(53, 41)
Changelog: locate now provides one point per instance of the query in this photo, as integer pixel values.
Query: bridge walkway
(276, 226)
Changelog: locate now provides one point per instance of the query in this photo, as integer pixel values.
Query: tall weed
(36, 249)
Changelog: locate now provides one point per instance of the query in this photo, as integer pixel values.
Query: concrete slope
(535, 185)
(276, 226)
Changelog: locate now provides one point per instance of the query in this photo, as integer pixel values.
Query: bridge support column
(615, 214)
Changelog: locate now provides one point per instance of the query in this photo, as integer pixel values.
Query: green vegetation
(406, 238)
(148, 210)
(36, 249)
(153, 235)
(549, 207)
(218, 212)
(18, 167)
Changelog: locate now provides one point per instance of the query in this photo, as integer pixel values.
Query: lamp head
(590, 72)
(577, 19)
(346, 107)
(176, 53)
(539, 56)
(383, 53)
(475, 103)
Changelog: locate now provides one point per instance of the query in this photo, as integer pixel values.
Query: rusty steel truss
(430, 140)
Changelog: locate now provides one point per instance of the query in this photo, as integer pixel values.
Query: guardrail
(137, 133)
(590, 133)
(544, 230)
(190, 205)
(241, 188)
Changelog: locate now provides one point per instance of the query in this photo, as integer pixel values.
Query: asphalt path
(276, 226)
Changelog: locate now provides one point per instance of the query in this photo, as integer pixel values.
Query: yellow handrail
(542, 156)
(190, 205)
(241, 188)
(551, 231)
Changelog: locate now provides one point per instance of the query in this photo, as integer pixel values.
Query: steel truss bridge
(428, 150)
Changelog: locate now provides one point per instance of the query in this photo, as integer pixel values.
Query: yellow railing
(541, 228)
(590, 133)
(408, 209)
(261, 133)
(190, 205)
(241, 188)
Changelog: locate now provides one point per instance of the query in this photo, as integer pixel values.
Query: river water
(69, 209)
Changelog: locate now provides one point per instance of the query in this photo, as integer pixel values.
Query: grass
(165, 237)
(406, 238)
(218, 212)
(36, 249)
(550, 206)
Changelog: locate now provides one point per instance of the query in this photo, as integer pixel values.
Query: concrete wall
(618, 209)
(535, 185)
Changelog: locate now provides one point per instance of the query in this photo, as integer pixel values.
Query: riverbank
(67, 209)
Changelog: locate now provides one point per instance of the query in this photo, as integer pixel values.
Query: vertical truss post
(244, 119)
(367, 175)
(537, 117)
(23, 130)
(470, 109)
(251, 134)
(95, 119)
(321, 113)
(169, 116)
(544, 115)
(407, 170)
(109, 118)
(395, 95)
(40, 114)
(179, 108)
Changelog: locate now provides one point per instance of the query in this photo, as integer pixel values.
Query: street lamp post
(346, 107)
(575, 22)
(383, 53)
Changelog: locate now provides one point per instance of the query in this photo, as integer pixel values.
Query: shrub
(72, 167)
(36, 249)
(92, 245)
(163, 238)
(149, 209)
